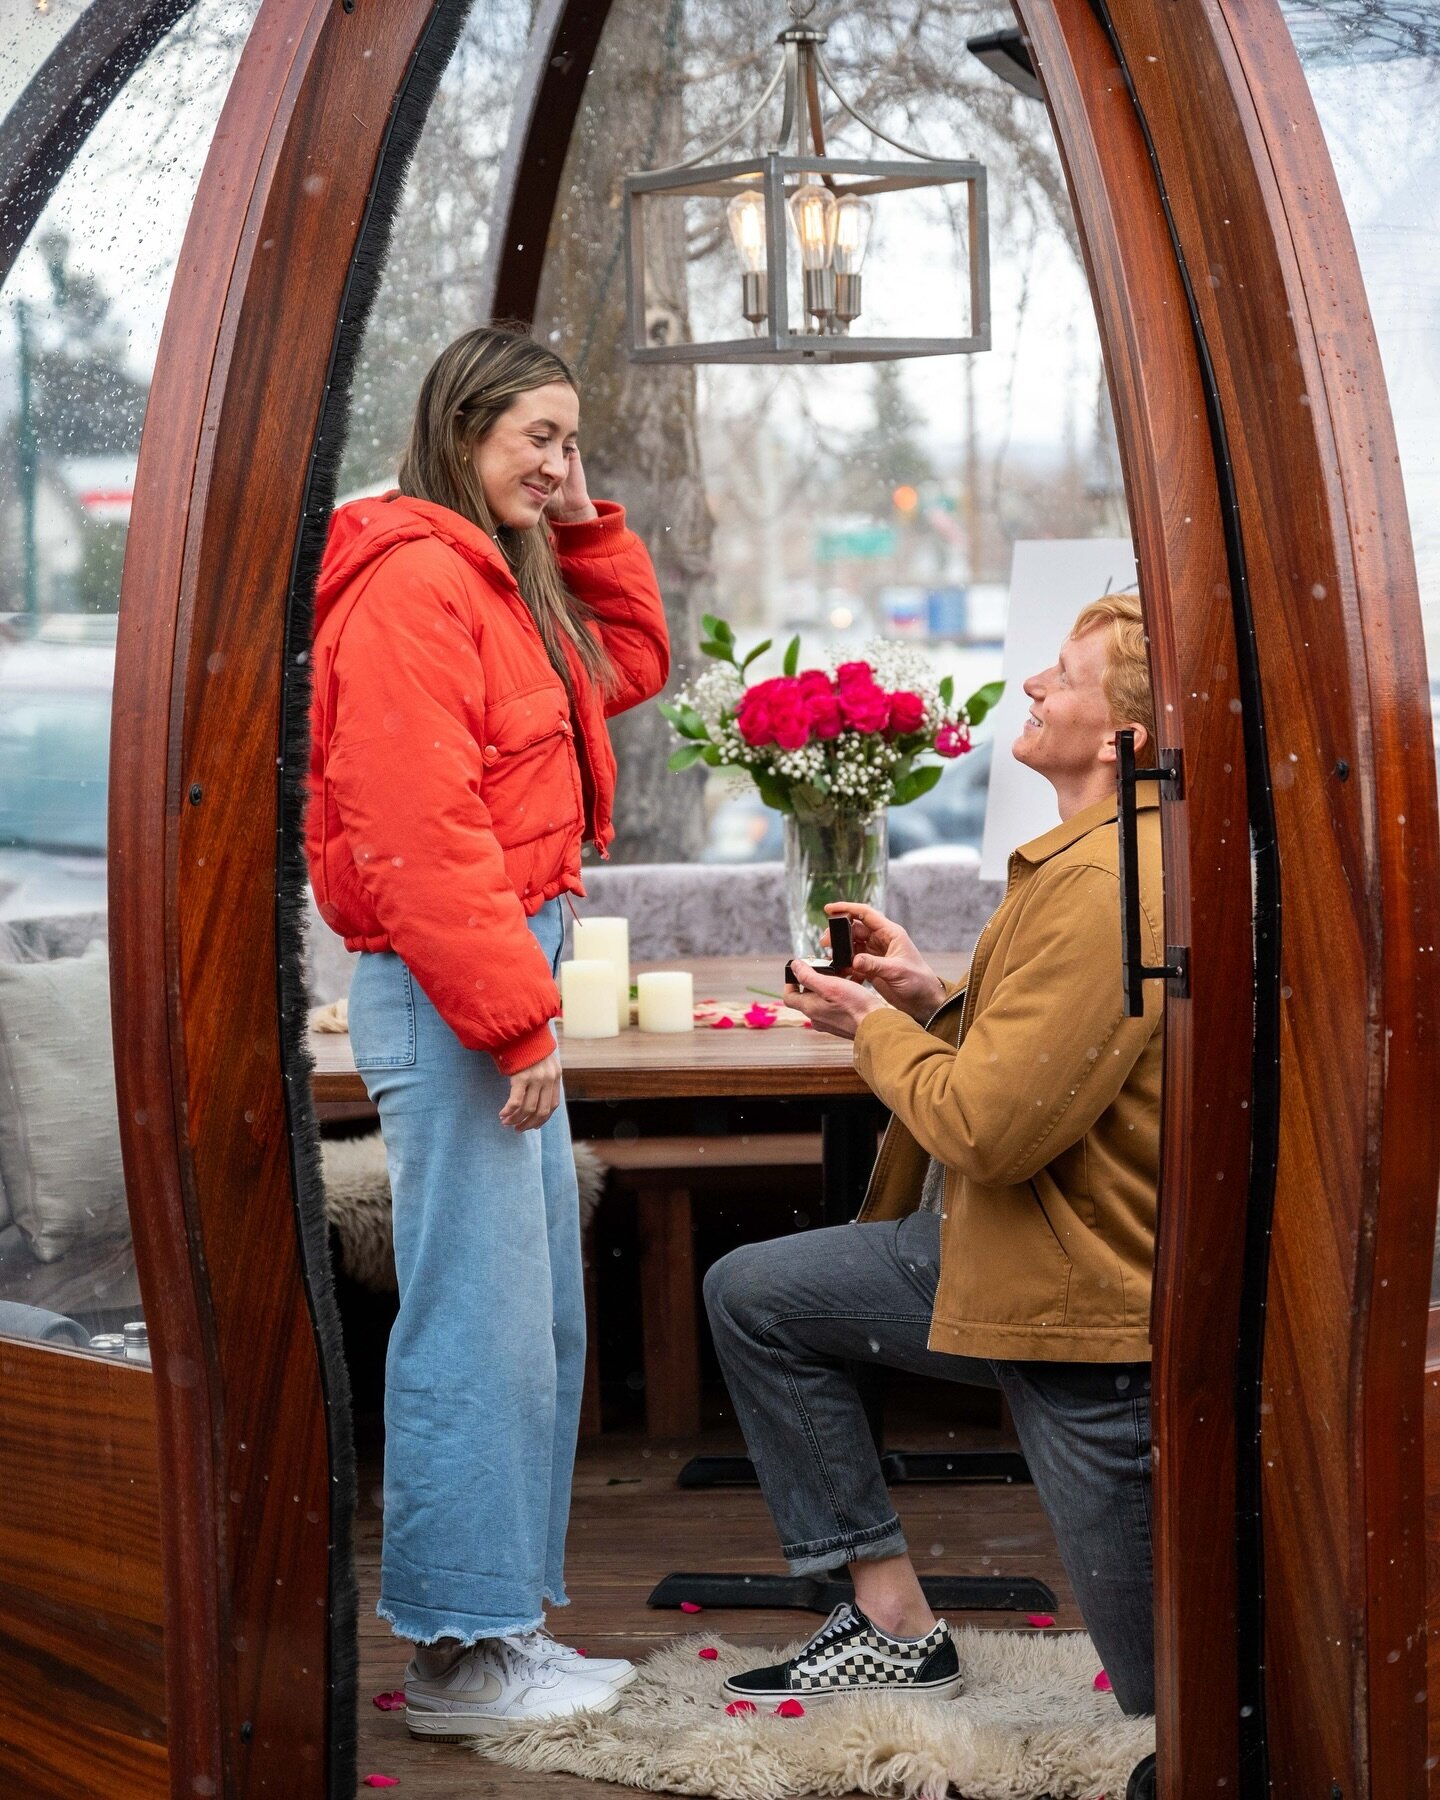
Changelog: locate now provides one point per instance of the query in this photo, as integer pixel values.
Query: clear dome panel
(80, 320)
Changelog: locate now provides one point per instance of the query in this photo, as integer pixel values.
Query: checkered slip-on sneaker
(849, 1655)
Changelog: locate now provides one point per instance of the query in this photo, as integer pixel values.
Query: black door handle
(1134, 970)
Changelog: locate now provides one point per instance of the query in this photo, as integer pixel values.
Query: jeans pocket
(382, 1013)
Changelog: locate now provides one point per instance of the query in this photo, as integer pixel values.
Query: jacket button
(490, 753)
(567, 728)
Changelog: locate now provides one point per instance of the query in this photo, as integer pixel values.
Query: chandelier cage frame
(775, 174)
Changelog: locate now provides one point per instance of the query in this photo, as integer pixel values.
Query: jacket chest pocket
(531, 782)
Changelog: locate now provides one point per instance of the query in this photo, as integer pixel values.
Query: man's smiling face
(1069, 723)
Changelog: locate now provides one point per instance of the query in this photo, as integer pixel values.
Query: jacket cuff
(523, 1052)
(585, 536)
(887, 1025)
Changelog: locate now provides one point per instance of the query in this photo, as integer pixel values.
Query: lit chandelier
(830, 206)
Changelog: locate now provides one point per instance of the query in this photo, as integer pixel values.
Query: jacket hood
(362, 531)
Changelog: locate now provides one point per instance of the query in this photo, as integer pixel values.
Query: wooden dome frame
(1300, 1152)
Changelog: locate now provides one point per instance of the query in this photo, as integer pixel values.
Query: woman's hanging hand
(571, 504)
(534, 1095)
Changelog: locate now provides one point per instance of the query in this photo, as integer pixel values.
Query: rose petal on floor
(690, 1606)
(380, 1781)
(391, 1702)
(736, 1707)
(1102, 1683)
(789, 1709)
(708, 1654)
(1040, 1620)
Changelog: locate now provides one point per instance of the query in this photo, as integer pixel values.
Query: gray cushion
(59, 1133)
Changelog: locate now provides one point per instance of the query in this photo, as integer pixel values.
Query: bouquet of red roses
(862, 735)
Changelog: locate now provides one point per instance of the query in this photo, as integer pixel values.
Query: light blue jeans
(487, 1356)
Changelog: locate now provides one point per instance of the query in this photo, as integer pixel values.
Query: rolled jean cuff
(824, 1554)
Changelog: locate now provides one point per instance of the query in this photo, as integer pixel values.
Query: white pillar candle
(607, 940)
(587, 999)
(667, 1001)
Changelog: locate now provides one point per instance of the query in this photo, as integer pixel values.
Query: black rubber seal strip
(1265, 1073)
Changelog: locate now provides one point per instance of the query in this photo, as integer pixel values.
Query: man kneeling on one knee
(1007, 1238)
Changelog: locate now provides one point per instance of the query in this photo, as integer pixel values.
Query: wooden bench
(664, 1173)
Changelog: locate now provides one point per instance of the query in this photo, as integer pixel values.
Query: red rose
(854, 674)
(827, 719)
(791, 718)
(907, 712)
(815, 681)
(754, 717)
(952, 740)
(865, 708)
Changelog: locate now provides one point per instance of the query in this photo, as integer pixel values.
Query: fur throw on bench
(357, 1203)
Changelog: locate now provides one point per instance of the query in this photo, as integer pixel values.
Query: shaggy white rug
(357, 1204)
(1029, 1725)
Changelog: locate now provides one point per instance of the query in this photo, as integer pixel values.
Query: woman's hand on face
(571, 504)
(886, 958)
(534, 1095)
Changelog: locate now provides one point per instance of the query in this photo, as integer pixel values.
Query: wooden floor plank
(629, 1526)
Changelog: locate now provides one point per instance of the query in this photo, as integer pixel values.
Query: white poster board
(1050, 580)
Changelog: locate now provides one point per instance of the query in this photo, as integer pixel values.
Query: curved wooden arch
(230, 497)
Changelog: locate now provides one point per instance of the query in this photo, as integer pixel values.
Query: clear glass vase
(831, 856)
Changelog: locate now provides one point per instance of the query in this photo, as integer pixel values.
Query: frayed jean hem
(462, 1628)
(873, 1545)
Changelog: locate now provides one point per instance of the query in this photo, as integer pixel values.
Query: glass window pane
(80, 321)
(839, 503)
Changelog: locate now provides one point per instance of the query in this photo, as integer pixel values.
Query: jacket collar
(1079, 825)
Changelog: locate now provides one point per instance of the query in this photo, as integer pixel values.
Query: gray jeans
(793, 1321)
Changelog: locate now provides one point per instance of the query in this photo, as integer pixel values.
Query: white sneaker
(493, 1687)
(614, 1671)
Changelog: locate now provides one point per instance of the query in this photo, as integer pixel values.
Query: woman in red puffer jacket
(473, 631)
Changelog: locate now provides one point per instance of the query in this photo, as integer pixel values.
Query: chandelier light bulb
(853, 218)
(746, 214)
(812, 213)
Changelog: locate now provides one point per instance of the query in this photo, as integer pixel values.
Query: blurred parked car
(54, 764)
(949, 820)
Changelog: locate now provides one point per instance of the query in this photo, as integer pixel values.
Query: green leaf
(792, 656)
(685, 755)
(980, 702)
(759, 650)
(772, 791)
(710, 756)
(917, 782)
(947, 690)
(717, 629)
(685, 719)
(713, 647)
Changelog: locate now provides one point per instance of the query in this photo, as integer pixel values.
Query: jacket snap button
(490, 753)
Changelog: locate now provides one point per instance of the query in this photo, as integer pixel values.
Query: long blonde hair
(465, 391)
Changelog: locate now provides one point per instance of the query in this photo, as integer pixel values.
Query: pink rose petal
(789, 1709)
(1101, 1683)
(690, 1606)
(761, 1018)
(380, 1781)
(707, 1654)
(391, 1702)
(736, 1707)
(723, 1023)
(1040, 1620)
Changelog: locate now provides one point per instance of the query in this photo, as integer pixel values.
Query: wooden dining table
(696, 1080)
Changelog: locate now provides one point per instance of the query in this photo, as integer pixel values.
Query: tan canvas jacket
(1045, 1113)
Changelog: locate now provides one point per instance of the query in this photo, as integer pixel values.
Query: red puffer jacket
(450, 786)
